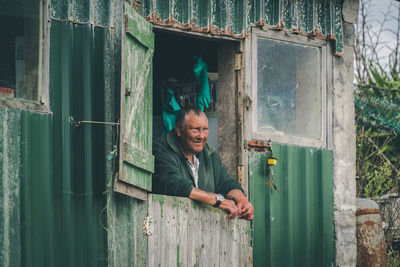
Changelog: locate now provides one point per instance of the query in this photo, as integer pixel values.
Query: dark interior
(19, 47)
(173, 64)
(173, 61)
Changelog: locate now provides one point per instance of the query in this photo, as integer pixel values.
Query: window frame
(41, 103)
(326, 109)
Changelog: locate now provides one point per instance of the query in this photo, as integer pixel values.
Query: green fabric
(170, 111)
(173, 175)
(200, 73)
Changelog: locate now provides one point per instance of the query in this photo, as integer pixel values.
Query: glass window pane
(289, 91)
(19, 48)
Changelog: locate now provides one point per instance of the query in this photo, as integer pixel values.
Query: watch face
(220, 197)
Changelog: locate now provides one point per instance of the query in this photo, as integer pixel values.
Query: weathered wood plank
(187, 233)
(136, 162)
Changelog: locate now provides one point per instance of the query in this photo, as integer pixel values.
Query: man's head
(192, 130)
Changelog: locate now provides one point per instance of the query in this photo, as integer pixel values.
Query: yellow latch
(272, 161)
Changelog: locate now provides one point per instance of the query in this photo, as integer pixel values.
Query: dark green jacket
(173, 175)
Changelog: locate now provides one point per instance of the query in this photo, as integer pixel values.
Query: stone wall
(344, 142)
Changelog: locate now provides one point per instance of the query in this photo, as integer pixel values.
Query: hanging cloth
(170, 111)
(200, 73)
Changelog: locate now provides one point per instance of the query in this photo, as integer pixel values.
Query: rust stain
(360, 212)
(370, 238)
(214, 30)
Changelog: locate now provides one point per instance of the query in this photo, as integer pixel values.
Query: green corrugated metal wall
(53, 175)
(85, 77)
(293, 227)
(78, 75)
(320, 18)
(53, 189)
(37, 208)
(10, 186)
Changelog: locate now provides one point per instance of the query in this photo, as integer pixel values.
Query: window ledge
(22, 104)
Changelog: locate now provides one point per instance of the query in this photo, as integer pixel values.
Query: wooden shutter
(136, 163)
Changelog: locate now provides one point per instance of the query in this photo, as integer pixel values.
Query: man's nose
(201, 134)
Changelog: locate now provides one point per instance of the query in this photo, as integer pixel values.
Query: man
(185, 165)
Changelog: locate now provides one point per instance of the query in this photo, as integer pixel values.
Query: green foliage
(380, 181)
(393, 258)
(378, 132)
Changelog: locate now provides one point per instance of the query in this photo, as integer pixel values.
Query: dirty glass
(289, 90)
(19, 48)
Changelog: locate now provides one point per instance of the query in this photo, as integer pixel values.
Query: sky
(376, 13)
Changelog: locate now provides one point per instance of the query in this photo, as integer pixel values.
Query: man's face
(194, 135)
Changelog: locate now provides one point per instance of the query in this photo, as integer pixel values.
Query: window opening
(20, 48)
(289, 94)
(290, 91)
(173, 64)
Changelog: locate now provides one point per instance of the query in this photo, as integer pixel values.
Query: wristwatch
(220, 198)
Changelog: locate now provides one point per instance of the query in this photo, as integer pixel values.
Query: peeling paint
(10, 222)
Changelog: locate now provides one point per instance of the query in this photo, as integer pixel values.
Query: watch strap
(220, 198)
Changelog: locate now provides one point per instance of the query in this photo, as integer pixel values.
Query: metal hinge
(257, 145)
(238, 61)
(248, 102)
(148, 226)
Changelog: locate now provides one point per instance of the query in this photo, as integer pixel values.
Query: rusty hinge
(148, 226)
(127, 91)
(238, 61)
(258, 145)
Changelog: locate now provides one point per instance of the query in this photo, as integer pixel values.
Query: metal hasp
(148, 226)
(258, 145)
(371, 249)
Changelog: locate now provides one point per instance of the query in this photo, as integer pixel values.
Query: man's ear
(178, 131)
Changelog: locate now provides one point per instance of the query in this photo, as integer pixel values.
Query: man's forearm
(203, 196)
(210, 198)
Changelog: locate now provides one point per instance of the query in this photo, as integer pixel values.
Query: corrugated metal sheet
(79, 75)
(186, 233)
(37, 199)
(10, 186)
(318, 18)
(54, 209)
(293, 227)
(95, 12)
(95, 228)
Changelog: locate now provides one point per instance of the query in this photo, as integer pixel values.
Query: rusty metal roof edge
(91, 22)
(211, 29)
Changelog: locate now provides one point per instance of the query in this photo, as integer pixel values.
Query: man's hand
(246, 210)
(229, 207)
(236, 203)
(209, 198)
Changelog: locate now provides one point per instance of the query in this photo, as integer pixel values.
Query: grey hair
(181, 119)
